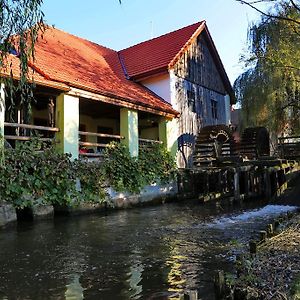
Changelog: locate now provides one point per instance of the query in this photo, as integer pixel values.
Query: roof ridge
(158, 37)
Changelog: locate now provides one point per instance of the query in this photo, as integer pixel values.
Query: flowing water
(146, 253)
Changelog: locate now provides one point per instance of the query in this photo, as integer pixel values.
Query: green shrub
(121, 170)
(92, 180)
(131, 174)
(34, 174)
(156, 164)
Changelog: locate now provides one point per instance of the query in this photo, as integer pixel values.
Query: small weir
(223, 168)
(237, 181)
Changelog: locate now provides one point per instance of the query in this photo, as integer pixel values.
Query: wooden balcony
(26, 132)
(94, 150)
(147, 143)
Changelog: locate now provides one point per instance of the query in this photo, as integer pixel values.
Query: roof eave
(50, 84)
(171, 113)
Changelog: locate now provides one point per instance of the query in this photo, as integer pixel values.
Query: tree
(295, 4)
(20, 22)
(269, 90)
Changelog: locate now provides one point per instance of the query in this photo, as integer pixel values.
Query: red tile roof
(64, 60)
(74, 61)
(161, 54)
(156, 54)
(12, 67)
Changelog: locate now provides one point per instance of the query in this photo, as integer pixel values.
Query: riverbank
(273, 272)
(150, 195)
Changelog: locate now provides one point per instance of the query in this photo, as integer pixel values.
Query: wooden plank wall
(197, 82)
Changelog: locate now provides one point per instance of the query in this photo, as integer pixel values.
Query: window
(191, 97)
(214, 109)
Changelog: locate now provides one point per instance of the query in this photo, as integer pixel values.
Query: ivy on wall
(131, 174)
(36, 174)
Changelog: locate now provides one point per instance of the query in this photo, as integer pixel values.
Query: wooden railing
(28, 130)
(289, 147)
(100, 146)
(148, 143)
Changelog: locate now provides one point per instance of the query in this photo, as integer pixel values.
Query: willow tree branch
(252, 5)
(295, 5)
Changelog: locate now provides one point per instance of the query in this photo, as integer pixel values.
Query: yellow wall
(67, 119)
(2, 110)
(41, 114)
(149, 133)
(92, 123)
(129, 129)
(166, 131)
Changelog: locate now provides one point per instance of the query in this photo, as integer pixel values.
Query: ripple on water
(269, 211)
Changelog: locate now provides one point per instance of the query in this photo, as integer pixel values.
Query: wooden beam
(26, 138)
(28, 126)
(150, 141)
(88, 144)
(101, 135)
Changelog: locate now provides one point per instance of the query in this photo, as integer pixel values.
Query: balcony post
(67, 120)
(129, 129)
(2, 114)
(168, 134)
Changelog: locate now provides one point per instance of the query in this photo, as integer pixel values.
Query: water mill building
(161, 90)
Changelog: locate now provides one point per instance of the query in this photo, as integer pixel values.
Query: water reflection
(150, 253)
(74, 289)
(175, 276)
(134, 286)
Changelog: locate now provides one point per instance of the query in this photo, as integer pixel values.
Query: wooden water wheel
(212, 142)
(255, 143)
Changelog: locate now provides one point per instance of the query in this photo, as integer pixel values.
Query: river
(145, 253)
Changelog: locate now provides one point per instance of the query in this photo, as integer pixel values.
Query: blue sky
(116, 26)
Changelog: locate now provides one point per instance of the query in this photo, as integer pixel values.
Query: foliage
(268, 8)
(126, 173)
(295, 290)
(156, 163)
(121, 169)
(20, 22)
(34, 175)
(269, 90)
(92, 180)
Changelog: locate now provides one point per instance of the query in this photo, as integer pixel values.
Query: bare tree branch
(295, 5)
(252, 5)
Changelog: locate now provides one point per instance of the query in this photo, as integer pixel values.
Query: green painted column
(168, 134)
(67, 120)
(2, 114)
(129, 129)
